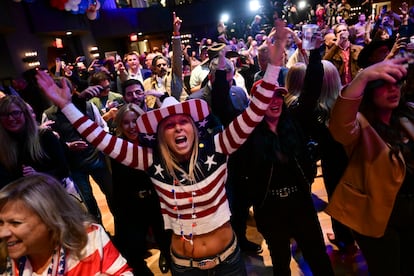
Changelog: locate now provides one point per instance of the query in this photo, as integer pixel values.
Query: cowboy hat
(148, 122)
(374, 52)
(213, 51)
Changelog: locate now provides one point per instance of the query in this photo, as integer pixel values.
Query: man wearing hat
(375, 52)
(200, 72)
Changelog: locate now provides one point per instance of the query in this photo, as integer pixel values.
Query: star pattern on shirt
(149, 137)
(203, 123)
(159, 170)
(210, 161)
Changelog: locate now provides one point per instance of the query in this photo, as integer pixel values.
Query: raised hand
(176, 24)
(296, 38)
(276, 42)
(27, 170)
(47, 124)
(91, 91)
(59, 96)
(390, 71)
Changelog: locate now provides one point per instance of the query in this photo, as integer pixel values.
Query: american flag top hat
(148, 122)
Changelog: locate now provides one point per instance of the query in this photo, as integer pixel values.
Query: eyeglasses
(136, 92)
(161, 64)
(15, 114)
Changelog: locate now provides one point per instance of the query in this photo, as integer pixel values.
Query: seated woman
(188, 171)
(48, 233)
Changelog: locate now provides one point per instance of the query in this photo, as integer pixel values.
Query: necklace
(185, 237)
(55, 269)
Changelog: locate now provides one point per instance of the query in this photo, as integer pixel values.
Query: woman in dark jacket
(26, 149)
(312, 110)
(276, 166)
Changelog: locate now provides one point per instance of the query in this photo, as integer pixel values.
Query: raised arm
(312, 86)
(240, 128)
(343, 123)
(177, 61)
(389, 71)
(60, 96)
(125, 152)
(221, 104)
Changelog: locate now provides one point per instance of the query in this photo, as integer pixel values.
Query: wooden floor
(261, 264)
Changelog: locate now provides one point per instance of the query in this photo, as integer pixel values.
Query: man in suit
(134, 69)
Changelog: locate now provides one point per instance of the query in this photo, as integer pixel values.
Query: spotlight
(224, 17)
(302, 5)
(254, 5)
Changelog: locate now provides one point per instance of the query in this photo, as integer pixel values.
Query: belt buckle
(284, 192)
(206, 264)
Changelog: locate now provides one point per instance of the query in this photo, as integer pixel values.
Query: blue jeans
(232, 266)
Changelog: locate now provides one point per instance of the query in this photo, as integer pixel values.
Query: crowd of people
(183, 142)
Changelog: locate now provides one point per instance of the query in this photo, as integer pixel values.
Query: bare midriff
(205, 245)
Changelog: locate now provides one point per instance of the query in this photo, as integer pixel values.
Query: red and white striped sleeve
(125, 152)
(100, 257)
(240, 128)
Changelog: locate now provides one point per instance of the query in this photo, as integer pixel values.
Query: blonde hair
(294, 82)
(331, 85)
(45, 196)
(10, 154)
(121, 114)
(171, 162)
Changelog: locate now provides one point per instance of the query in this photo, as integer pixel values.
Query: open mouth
(180, 140)
(274, 108)
(11, 244)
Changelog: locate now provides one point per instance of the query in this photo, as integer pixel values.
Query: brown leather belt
(207, 263)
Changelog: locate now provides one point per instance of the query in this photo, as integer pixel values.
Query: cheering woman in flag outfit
(188, 171)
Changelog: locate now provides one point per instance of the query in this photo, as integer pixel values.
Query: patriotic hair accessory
(196, 108)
